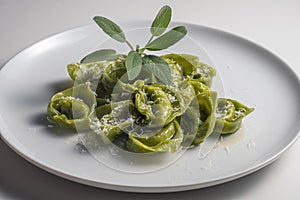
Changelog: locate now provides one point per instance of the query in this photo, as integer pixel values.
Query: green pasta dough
(73, 107)
(230, 113)
(148, 115)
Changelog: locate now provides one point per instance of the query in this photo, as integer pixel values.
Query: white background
(273, 24)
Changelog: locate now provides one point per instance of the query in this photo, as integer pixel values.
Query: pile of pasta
(145, 114)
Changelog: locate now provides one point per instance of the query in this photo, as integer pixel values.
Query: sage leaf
(158, 67)
(161, 21)
(133, 64)
(167, 39)
(110, 28)
(101, 55)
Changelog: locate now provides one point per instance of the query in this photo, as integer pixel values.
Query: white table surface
(273, 24)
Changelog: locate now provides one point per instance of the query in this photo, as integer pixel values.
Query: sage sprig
(168, 39)
(137, 58)
(158, 67)
(161, 21)
(101, 55)
(133, 64)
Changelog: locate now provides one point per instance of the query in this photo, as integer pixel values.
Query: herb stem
(151, 38)
(141, 51)
(130, 46)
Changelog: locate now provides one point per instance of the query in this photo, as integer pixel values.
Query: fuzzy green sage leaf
(167, 39)
(158, 67)
(133, 64)
(101, 55)
(161, 21)
(110, 28)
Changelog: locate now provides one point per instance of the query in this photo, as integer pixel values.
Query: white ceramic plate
(249, 73)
